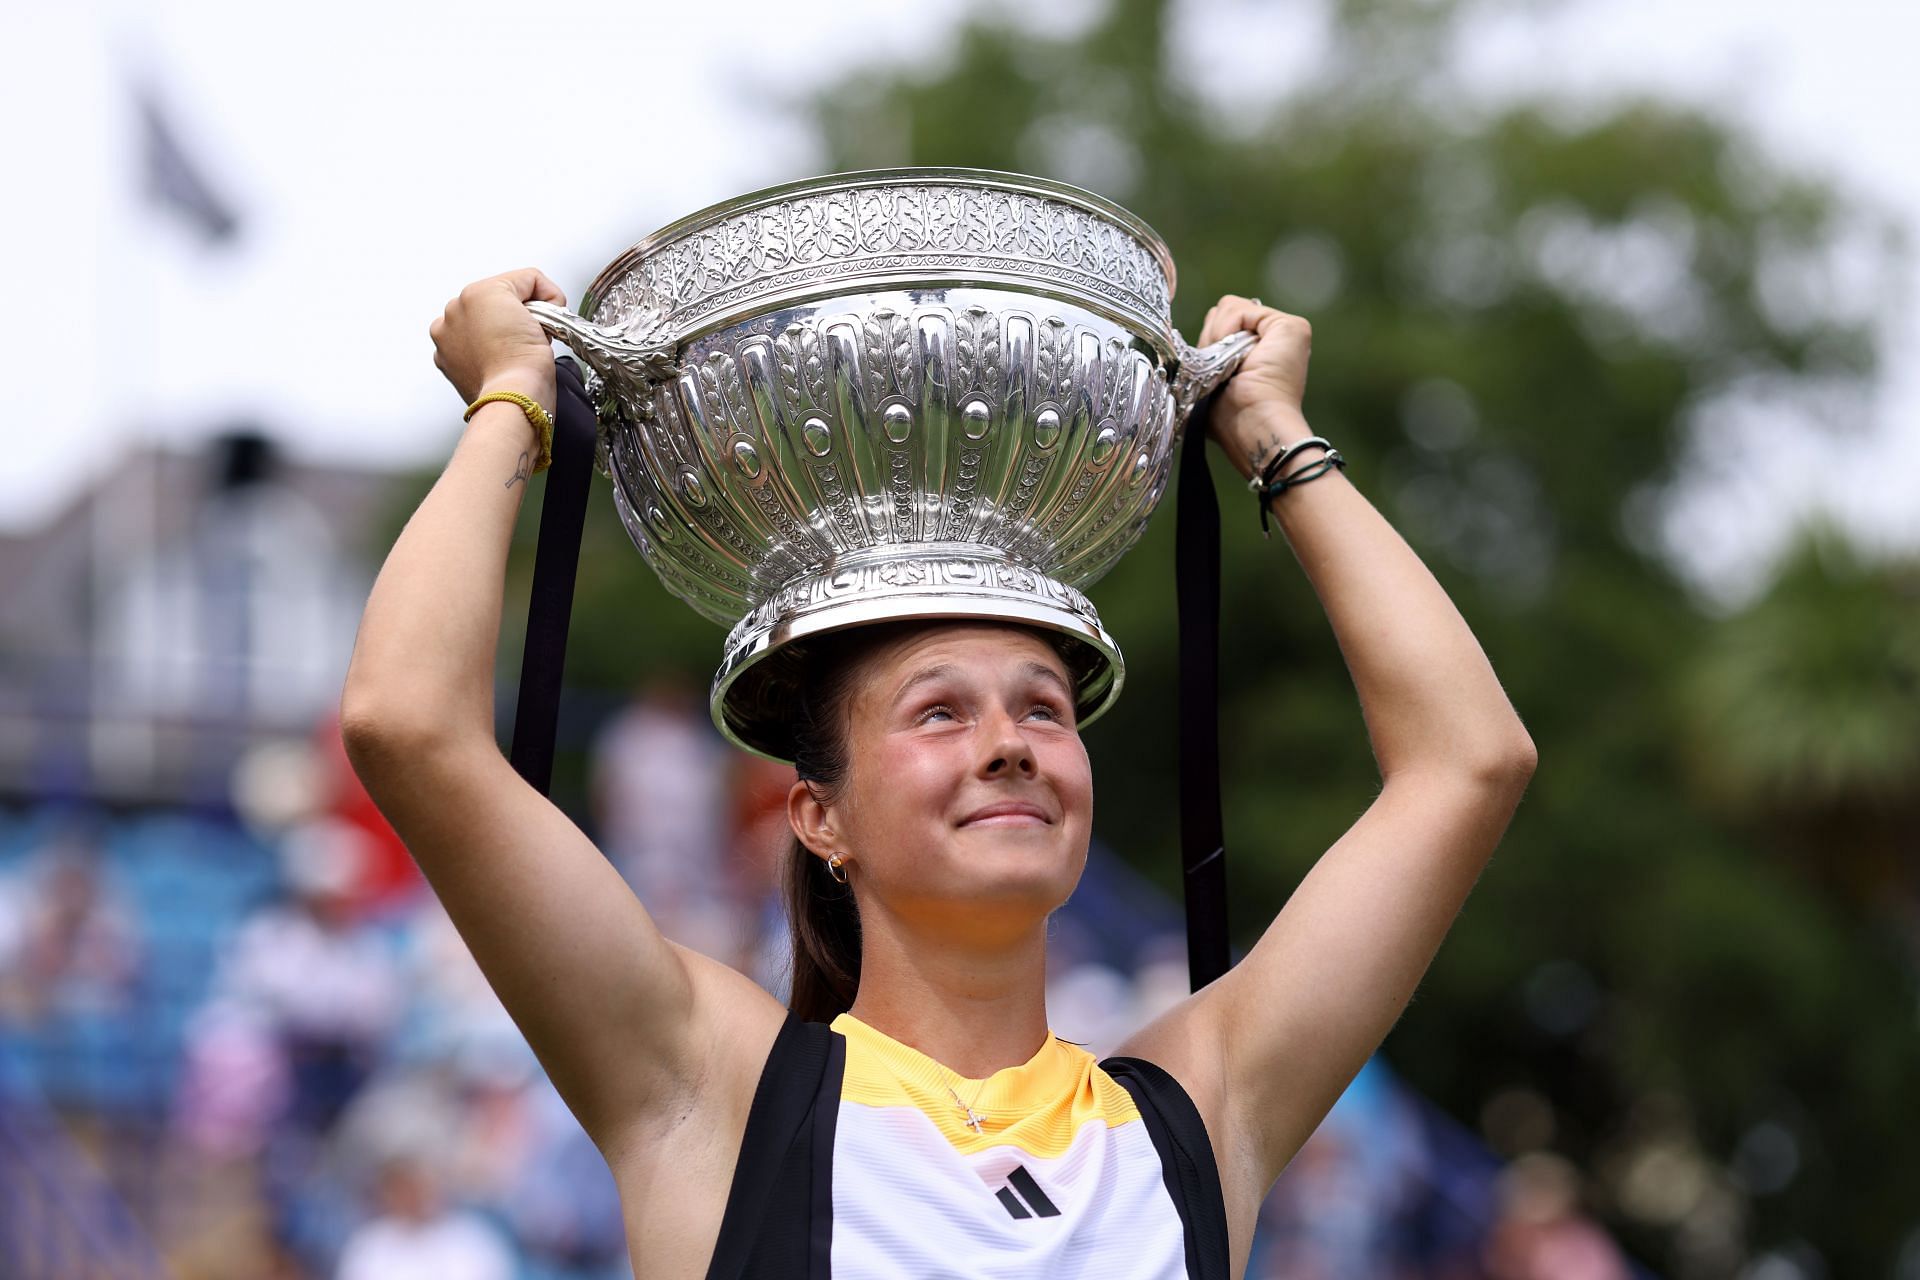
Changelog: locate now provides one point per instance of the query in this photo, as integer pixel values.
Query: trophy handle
(1203, 370)
(609, 352)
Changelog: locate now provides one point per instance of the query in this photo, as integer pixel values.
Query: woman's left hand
(1258, 412)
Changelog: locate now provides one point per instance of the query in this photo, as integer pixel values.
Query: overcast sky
(381, 155)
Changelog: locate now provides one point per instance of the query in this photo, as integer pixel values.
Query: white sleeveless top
(865, 1159)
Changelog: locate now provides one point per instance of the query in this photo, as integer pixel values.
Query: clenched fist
(487, 340)
(1258, 412)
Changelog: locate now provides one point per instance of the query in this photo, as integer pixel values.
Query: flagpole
(162, 179)
(124, 526)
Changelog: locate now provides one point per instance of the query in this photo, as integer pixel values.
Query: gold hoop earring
(834, 868)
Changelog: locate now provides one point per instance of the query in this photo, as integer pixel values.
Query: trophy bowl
(889, 395)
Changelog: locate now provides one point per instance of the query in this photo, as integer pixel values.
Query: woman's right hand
(487, 340)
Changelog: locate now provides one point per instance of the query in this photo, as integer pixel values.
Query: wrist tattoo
(522, 470)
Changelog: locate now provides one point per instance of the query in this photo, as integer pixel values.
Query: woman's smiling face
(969, 799)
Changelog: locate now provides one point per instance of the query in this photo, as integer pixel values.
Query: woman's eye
(1045, 710)
(938, 709)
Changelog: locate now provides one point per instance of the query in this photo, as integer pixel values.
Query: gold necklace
(974, 1119)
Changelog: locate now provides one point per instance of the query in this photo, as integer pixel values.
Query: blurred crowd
(268, 1035)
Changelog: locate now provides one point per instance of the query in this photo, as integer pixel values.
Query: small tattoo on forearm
(520, 471)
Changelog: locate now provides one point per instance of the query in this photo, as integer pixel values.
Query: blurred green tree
(1804, 716)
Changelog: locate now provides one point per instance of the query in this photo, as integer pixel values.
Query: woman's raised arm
(1270, 1046)
(623, 1020)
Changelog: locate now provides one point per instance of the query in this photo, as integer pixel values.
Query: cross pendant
(974, 1120)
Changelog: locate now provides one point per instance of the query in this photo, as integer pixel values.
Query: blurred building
(181, 608)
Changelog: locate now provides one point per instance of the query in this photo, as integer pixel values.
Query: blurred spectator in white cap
(417, 1236)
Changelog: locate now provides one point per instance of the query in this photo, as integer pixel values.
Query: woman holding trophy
(885, 438)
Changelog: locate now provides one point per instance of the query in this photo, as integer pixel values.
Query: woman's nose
(1010, 752)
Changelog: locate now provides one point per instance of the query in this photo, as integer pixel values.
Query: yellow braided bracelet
(542, 424)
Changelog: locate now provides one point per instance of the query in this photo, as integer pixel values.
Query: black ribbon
(1203, 841)
(556, 561)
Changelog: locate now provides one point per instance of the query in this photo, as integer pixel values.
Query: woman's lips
(1008, 817)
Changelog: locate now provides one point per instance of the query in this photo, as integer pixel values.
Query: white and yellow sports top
(864, 1158)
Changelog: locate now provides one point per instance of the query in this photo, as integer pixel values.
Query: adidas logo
(1023, 1197)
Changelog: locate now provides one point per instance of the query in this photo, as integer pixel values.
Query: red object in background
(389, 873)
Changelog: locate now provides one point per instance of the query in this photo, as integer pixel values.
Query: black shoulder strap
(778, 1221)
(1186, 1161)
(1203, 841)
(556, 559)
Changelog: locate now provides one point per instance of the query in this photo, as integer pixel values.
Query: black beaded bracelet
(1328, 461)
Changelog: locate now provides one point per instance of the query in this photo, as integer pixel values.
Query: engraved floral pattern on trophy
(897, 228)
(893, 392)
(806, 429)
(1093, 469)
(670, 542)
(735, 454)
(978, 365)
(656, 469)
(1135, 440)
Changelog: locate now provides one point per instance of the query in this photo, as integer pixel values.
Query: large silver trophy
(902, 393)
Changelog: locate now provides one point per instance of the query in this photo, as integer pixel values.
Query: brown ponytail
(826, 938)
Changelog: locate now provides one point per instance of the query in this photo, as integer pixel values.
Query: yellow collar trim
(1037, 1106)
